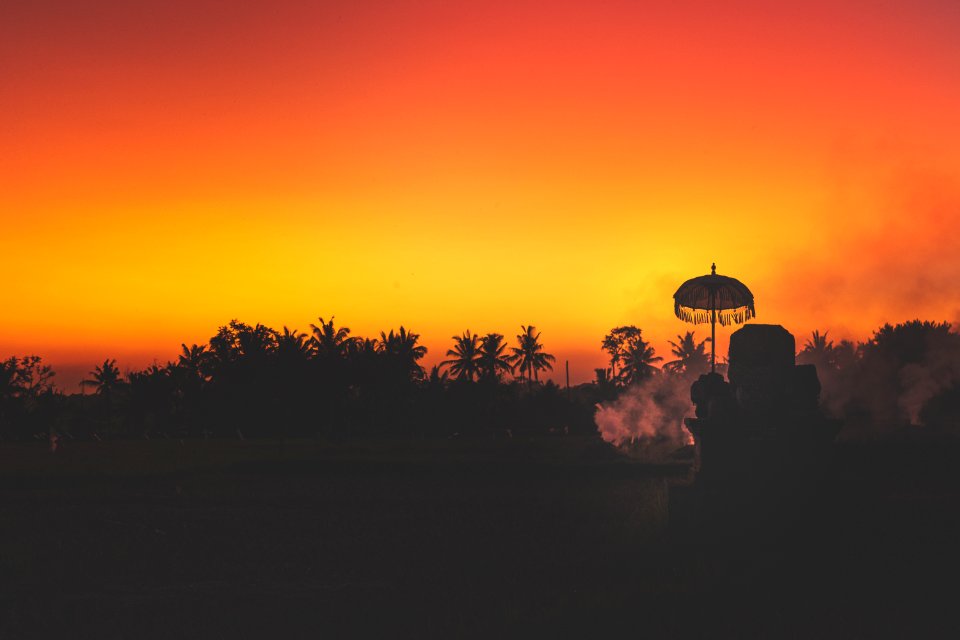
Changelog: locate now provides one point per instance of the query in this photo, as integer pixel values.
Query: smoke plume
(895, 381)
(648, 416)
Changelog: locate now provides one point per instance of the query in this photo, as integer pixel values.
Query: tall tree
(401, 348)
(195, 360)
(464, 363)
(292, 345)
(105, 379)
(902, 366)
(493, 361)
(845, 354)
(615, 344)
(637, 360)
(328, 340)
(9, 378)
(818, 350)
(528, 356)
(191, 377)
(23, 383)
(26, 377)
(691, 355)
(437, 379)
(238, 340)
(150, 398)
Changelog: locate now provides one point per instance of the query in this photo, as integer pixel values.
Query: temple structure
(763, 426)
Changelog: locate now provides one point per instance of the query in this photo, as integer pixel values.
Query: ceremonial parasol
(711, 298)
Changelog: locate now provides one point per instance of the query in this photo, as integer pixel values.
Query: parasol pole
(713, 332)
(713, 323)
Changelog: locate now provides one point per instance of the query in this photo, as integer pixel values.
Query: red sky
(169, 166)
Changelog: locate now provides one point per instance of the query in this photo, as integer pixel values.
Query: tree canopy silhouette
(615, 344)
(328, 340)
(638, 360)
(465, 357)
(528, 356)
(105, 378)
(493, 361)
(691, 356)
(252, 380)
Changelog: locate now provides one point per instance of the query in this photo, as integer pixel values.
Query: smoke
(899, 372)
(921, 382)
(648, 415)
(938, 369)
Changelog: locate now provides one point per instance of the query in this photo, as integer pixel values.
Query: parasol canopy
(713, 297)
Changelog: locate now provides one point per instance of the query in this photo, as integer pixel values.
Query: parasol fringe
(725, 317)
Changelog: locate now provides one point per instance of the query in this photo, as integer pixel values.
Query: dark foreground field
(562, 536)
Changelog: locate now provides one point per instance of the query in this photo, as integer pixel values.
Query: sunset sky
(168, 166)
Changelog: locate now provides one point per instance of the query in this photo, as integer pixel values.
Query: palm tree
(438, 379)
(818, 350)
(358, 347)
(691, 355)
(844, 354)
(106, 379)
(465, 357)
(403, 348)
(638, 358)
(292, 344)
(529, 356)
(493, 362)
(605, 382)
(328, 340)
(238, 340)
(195, 359)
(818, 342)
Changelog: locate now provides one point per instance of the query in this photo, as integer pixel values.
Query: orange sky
(169, 166)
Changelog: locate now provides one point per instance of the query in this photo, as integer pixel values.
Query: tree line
(255, 381)
(905, 376)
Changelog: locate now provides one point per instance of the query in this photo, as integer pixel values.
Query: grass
(435, 538)
(247, 538)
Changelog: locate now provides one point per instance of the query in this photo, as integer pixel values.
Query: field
(447, 538)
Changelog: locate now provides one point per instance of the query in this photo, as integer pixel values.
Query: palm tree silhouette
(238, 340)
(691, 355)
(493, 362)
(605, 382)
(257, 341)
(293, 345)
(818, 350)
(638, 358)
(106, 378)
(438, 379)
(358, 347)
(403, 348)
(195, 359)
(327, 340)
(818, 343)
(529, 356)
(844, 354)
(465, 361)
